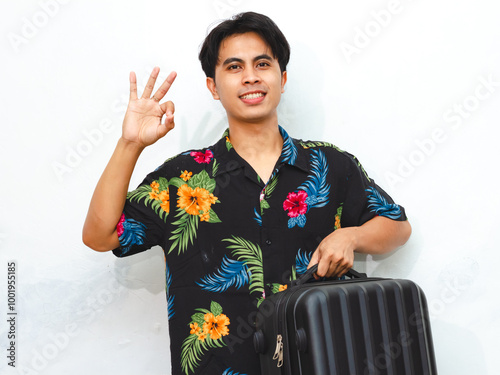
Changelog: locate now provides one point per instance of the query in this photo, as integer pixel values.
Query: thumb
(164, 128)
(314, 259)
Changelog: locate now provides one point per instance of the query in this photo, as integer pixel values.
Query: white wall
(401, 84)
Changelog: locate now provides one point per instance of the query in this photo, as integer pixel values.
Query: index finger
(165, 86)
(133, 85)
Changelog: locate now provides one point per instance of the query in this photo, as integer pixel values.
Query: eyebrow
(230, 60)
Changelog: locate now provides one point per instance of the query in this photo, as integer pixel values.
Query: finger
(165, 86)
(168, 108)
(133, 86)
(164, 128)
(323, 267)
(342, 268)
(335, 271)
(314, 259)
(151, 83)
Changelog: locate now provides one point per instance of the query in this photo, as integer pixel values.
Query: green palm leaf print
(251, 254)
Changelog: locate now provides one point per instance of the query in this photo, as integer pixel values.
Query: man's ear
(283, 81)
(212, 88)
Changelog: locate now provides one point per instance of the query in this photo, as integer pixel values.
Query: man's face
(248, 80)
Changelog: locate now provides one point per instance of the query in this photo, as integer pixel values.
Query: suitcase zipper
(278, 353)
(281, 327)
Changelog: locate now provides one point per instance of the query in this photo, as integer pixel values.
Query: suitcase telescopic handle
(308, 275)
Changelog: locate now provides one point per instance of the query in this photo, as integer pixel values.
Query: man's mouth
(253, 95)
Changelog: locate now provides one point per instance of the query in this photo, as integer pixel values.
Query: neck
(256, 141)
(259, 145)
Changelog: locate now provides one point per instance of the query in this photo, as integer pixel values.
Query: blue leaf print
(229, 371)
(257, 217)
(302, 261)
(299, 220)
(289, 152)
(134, 233)
(231, 272)
(380, 206)
(315, 186)
(170, 298)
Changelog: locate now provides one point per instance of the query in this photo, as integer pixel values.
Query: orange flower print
(207, 326)
(282, 287)
(186, 175)
(165, 206)
(338, 217)
(155, 195)
(195, 329)
(202, 337)
(337, 222)
(216, 326)
(162, 196)
(194, 200)
(212, 198)
(205, 216)
(155, 186)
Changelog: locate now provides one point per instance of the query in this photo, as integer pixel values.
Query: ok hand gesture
(142, 124)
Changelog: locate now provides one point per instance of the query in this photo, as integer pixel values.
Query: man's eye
(263, 64)
(232, 67)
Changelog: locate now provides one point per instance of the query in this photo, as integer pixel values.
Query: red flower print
(295, 203)
(201, 157)
(119, 226)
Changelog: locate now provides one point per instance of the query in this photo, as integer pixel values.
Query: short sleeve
(143, 221)
(364, 199)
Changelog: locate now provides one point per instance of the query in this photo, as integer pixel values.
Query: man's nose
(251, 76)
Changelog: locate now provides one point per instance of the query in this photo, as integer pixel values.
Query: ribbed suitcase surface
(360, 326)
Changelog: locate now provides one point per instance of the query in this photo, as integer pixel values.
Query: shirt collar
(292, 153)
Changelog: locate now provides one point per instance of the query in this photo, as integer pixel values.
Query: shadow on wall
(145, 270)
(396, 264)
(458, 350)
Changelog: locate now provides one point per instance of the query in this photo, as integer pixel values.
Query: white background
(412, 88)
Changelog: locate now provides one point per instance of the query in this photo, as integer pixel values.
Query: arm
(142, 127)
(380, 235)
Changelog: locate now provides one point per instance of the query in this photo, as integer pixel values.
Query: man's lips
(252, 95)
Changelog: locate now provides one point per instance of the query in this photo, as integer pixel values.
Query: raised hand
(142, 124)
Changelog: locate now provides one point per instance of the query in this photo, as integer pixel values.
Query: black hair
(240, 24)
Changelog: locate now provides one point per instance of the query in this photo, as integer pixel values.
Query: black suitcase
(362, 326)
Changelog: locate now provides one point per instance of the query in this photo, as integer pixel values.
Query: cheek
(225, 89)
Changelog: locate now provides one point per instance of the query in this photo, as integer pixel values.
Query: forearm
(381, 235)
(108, 200)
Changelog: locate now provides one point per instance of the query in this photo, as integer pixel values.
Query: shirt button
(268, 242)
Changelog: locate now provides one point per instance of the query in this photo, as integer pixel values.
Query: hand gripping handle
(306, 277)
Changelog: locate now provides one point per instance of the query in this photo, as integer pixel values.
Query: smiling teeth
(253, 96)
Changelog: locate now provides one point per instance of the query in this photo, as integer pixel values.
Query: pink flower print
(295, 203)
(119, 226)
(201, 157)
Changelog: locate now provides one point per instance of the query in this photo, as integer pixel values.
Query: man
(239, 219)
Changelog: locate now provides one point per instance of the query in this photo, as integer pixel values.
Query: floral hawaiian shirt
(230, 239)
